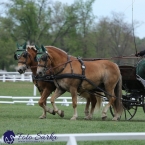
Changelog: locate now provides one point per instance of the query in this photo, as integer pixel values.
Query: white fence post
(4, 77)
(30, 78)
(71, 141)
(22, 77)
(35, 90)
(14, 78)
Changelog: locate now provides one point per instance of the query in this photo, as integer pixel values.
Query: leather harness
(81, 77)
(51, 77)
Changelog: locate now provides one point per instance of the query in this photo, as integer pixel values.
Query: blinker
(41, 56)
(16, 57)
(18, 53)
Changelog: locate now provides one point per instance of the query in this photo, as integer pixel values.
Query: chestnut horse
(26, 56)
(76, 76)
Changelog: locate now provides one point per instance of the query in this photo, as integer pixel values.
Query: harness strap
(68, 60)
(70, 64)
(83, 71)
(95, 93)
(36, 83)
(46, 78)
(82, 77)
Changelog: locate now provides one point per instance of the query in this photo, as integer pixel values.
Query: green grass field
(24, 119)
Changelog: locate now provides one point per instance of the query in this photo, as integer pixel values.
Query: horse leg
(116, 115)
(93, 101)
(87, 107)
(42, 103)
(107, 106)
(111, 101)
(115, 99)
(73, 92)
(56, 94)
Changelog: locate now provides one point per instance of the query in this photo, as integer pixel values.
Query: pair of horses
(77, 76)
(26, 56)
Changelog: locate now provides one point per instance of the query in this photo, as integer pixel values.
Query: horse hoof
(104, 117)
(42, 117)
(62, 114)
(73, 118)
(88, 118)
(115, 119)
(53, 112)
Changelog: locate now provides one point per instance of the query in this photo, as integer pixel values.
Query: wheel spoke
(125, 114)
(128, 113)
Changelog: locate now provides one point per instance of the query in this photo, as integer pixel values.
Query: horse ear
(24, 46)
(43, 48)
(36, 47)
(18, 45)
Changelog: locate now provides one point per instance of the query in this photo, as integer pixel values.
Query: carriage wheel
(128, 112)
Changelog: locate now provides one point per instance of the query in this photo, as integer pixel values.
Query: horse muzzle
(21, 69)
(40, 72)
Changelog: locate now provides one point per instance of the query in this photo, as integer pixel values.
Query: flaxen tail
(118, 94)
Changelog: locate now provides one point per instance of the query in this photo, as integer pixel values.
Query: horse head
(25, 55)
(44, 60)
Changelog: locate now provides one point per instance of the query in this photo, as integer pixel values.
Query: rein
(52, 68)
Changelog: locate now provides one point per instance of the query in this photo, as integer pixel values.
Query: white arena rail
(32, 100)
(15, 76)
(27, 76)
(72, 139)
(60, 100)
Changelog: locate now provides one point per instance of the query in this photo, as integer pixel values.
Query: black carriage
(133, 86)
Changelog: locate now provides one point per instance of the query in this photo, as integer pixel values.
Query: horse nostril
(40, 73)
(20, 71)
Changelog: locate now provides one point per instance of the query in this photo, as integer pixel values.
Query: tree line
(73, 28)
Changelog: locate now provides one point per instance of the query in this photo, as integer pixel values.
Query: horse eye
(16, 57)
(44, 58)
(25, 54)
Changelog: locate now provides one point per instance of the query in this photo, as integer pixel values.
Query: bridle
(51, 69)
(24, 54)
(44, 58)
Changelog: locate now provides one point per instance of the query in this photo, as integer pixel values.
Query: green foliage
(72, 28)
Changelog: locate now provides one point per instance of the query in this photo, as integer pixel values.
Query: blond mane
(56, 48)
(31, 47)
